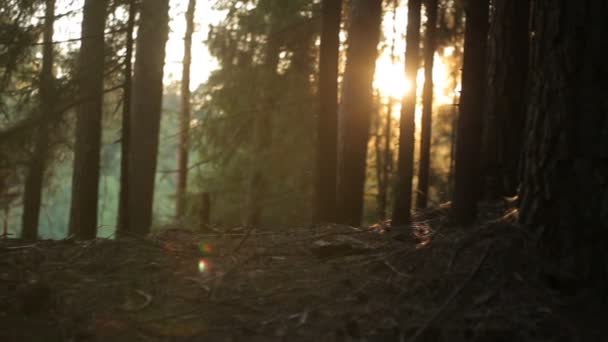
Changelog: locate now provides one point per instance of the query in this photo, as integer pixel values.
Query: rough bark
(146, 112)
(427, 105)
(468, 141)
(407, 125)
(122, 222)
(327, 122)
(356, 108)
(506, 101)
(565, 166)
(184, 132)
(87, 149)
(32, 193)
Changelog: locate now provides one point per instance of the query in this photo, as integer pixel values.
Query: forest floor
(432, 283)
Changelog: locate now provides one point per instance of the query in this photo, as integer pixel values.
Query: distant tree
(263, 121)
(407, 125)
(271, 98)
(122, 220)
(506, 99)
(87, 148)
(146, 110)
(327, 122)
(32, 194)
(356, 107)
(427, 105)
(564, 193)
(186, 113)
(468, 140)
(384, 137)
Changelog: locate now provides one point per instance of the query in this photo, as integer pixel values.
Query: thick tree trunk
(184, 132)
(468, 143)
(506, 106)
(85, 180)
(122, 222)
(407, 125)
(327, 123)
(357, 107)
(146, 112)
(427, 105)
(32, 193)
(565, 165)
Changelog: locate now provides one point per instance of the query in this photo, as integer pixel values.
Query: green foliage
(249, 84)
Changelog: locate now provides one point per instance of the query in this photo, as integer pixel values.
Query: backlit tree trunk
(468, 140)
(427, 105)
(32, 193)
(182, 151)
(327, 123)
(85, 180)
(146, 112)
(122, 222)
(565, 165)
(357, 106)
(506, 107)
(407, 125)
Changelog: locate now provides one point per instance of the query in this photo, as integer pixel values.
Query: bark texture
(402, 211)
(468, 141)
(123, 202)
(87, 149)
(357, 106)
(184, 132)
(34, 181)
(565, 185)
(146, 111)
(327, 122)
(506, 98)
(427, 105)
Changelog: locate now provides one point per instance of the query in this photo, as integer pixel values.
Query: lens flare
(205, 248)
(202, 266)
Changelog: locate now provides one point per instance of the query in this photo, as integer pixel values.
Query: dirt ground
(432, 282)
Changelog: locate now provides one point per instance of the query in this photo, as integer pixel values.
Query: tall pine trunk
(184, 132)
(565, 165)
(357, 106)
(468, 140)
(327, 123)
(32, 194)
(427, 105)
(407, 125)
(263, 125)
(122, 221)
(506, 108)
(146, 113)
(85, 180)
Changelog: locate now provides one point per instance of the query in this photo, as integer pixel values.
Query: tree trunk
(184, 132)
(427, 105)
(506, 107)
(146, 112)
(122, 223)
(85, 180)
(263, 125)
(565, 166)
(407, 125)
(468, 143)
(357, 107)
(205, 211)
(32, 193)
(327, 123)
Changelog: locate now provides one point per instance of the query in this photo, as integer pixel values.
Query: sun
(392, 83)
